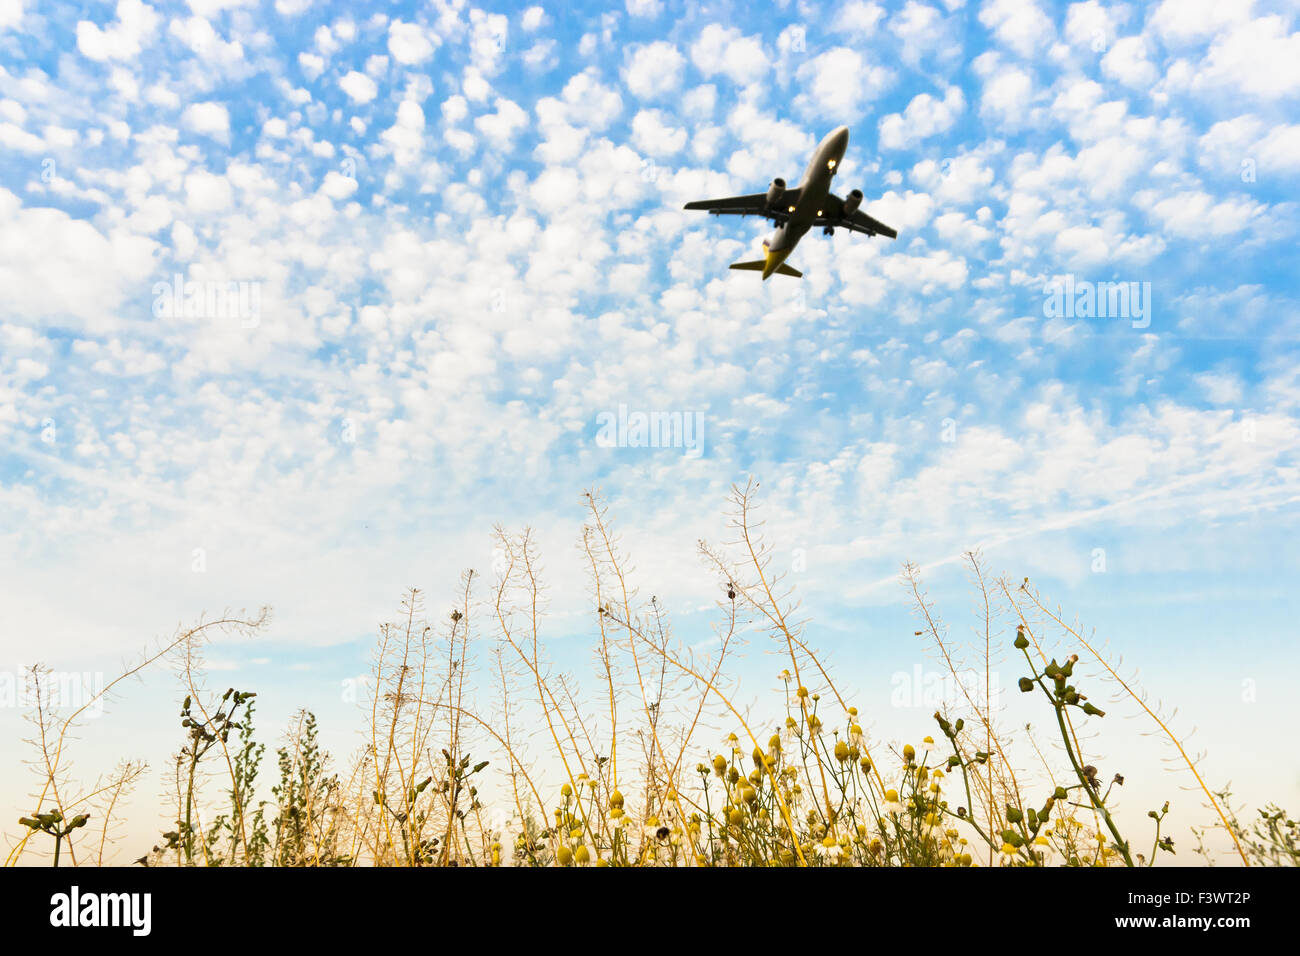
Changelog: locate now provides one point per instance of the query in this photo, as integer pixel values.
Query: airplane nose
(841, 137)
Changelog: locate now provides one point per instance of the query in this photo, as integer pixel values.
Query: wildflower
(909, 753)
(855, 735)
(791, 732)
(802, 691)
(564, 856)
(927, 744)
(719, 765)
(932, 827)
(892, 805)
(582, 855)
(651, 826)
(841, 751)
(829, 849)
(732, 742)
(785, 676)
(616, 800)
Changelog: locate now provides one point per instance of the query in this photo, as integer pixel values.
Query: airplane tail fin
(758, 265)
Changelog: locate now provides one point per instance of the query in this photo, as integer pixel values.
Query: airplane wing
(755, 205)
(859, 221)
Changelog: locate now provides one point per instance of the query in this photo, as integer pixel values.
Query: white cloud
(925, 116)
(208, 119)
(1221, 388)
(727, 51)
(199, 35)
(652, 135)
(338, 186)
(359, 87)
(859, 18)
(1231, 147)
(207, 192)
(1186, 21)
(122, 39)
(1090, 25)
(644, 8)
(311, 65)
(11, 13)
(501, 127)
(63, 269)
(411, 43)
(654, 70)
(1259, 58)
(534, 18)
(840, 84)
(1008, 96)
(1019, 25)
(1196, 214)
(406, 136)
(1128, 61)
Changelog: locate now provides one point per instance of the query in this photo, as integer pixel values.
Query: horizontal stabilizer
(758, 264)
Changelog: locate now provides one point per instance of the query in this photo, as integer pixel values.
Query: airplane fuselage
(813, 190)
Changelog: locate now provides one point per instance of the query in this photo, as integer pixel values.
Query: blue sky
(460, 234)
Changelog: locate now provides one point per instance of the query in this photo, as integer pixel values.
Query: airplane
(795, 211)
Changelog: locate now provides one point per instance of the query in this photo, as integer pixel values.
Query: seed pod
(1026, 685)
(1014, 815)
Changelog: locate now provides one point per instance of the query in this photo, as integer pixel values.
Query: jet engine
(775, 192)
(851, 202)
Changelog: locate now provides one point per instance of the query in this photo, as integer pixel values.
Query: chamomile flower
(927, 744)
(790, 733)
(892, 805)
(855, 736)
(828, 849)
